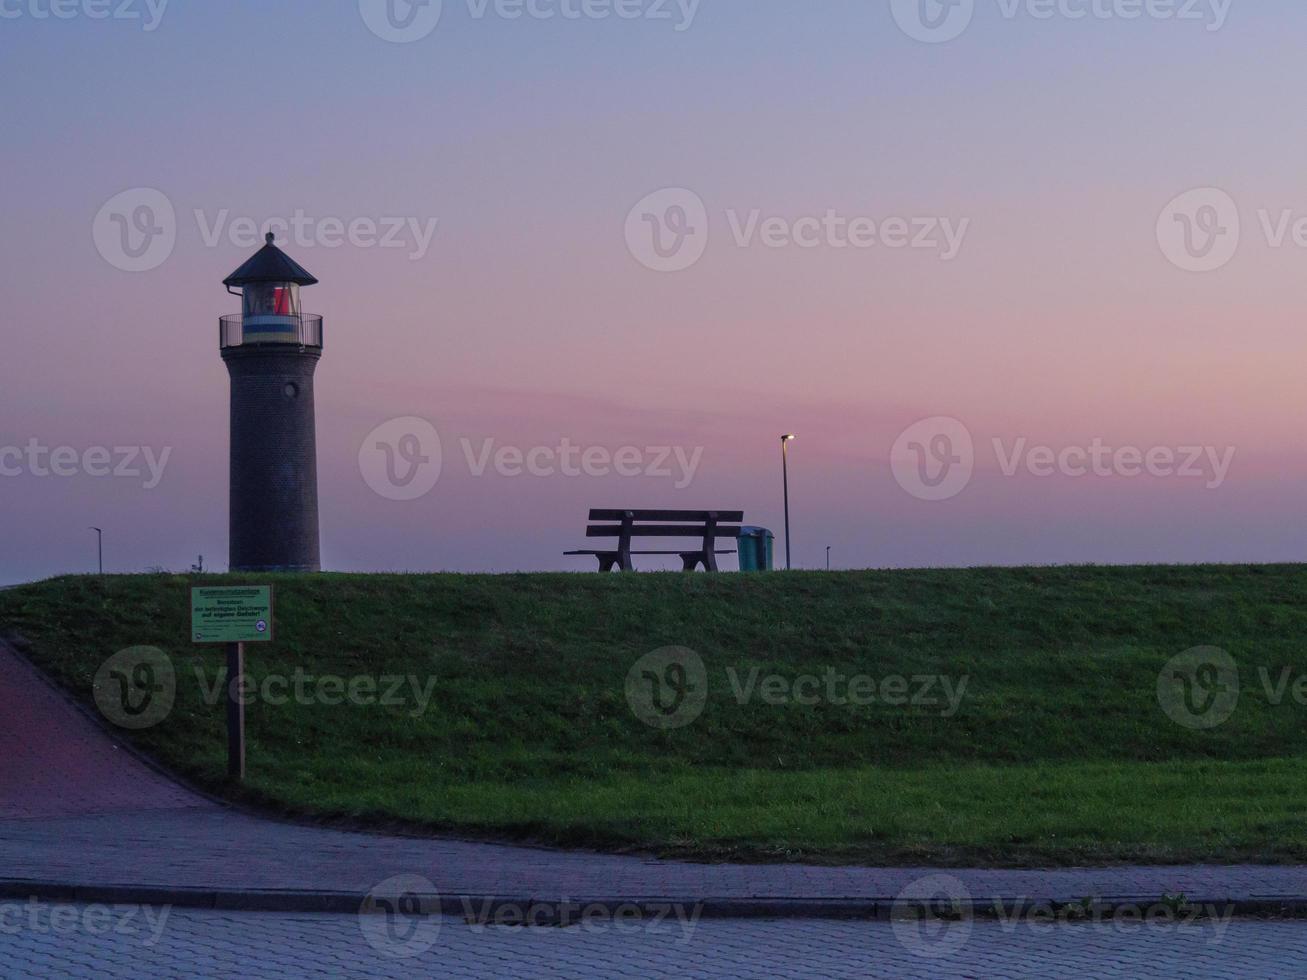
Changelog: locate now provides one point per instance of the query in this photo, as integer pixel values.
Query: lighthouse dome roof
(270, 264)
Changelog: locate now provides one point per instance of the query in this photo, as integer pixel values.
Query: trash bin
(756, 545)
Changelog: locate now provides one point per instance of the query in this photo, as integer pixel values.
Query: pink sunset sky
(1065, 317)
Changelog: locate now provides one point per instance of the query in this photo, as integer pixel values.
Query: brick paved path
(100, 942)
(74, 809)
(55, 763)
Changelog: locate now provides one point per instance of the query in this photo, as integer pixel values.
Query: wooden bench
(625, 525)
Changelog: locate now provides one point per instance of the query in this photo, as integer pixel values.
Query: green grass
(1059, 752)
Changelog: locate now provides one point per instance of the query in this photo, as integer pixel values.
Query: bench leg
(606, 564)
(690, 560)
(710, 561)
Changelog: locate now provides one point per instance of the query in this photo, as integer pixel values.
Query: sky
(1025, 277)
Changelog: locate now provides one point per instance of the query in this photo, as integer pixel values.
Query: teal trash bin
(756, 546)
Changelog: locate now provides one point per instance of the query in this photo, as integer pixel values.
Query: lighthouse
(271, 350)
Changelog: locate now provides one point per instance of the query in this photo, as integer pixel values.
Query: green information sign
(232, 614)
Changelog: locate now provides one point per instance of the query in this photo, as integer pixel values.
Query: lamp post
(99, 547)
(785, 477)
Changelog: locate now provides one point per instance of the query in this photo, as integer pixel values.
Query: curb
(537, 911)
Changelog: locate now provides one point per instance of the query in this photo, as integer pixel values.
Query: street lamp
(785, 476)
(99, 547)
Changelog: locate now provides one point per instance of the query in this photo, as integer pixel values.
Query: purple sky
(1077, 236)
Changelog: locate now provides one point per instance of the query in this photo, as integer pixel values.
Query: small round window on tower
(292, 390)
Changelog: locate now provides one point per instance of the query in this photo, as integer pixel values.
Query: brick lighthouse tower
(271, 350)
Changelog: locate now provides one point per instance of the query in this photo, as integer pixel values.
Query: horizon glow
(468, 200)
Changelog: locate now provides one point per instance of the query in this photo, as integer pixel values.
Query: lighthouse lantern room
(269, 287)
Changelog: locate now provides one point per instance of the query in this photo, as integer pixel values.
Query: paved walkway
(76, 810)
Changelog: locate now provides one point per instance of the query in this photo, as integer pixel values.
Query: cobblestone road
(81, 941)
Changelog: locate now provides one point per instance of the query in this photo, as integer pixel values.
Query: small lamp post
(99, 547)
(785, 477)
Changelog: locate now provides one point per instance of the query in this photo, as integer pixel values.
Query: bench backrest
(722, 516)
(665, 524)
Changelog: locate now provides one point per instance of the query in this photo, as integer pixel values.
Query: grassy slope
(1060, 752)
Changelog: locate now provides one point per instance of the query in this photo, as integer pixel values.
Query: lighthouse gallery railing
(239, 330)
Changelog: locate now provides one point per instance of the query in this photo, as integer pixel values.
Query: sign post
(235, 711)
(234, 616)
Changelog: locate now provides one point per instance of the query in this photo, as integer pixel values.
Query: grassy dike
(1058, 751)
